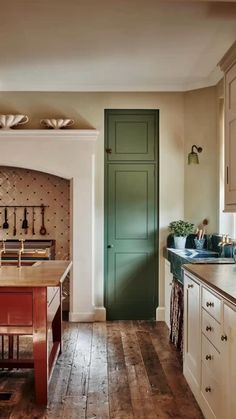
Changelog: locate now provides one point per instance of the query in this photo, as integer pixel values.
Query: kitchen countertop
(221, 278)
(42, 274)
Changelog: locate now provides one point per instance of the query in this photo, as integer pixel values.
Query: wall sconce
(193, 156)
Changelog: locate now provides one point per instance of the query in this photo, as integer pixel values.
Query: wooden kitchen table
(30, 304)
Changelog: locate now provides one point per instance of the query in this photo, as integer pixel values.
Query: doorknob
(109, 246)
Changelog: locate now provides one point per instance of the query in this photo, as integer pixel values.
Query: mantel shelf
(47, 134)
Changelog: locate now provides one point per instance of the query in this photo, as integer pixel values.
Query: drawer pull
(208, 357)
(190, 285)
(209, 304)
(224, 337)
(209, 329)
(208, 389)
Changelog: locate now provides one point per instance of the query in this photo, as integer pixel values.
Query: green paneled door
(131, 230)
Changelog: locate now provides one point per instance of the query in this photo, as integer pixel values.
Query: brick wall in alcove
(28, 187)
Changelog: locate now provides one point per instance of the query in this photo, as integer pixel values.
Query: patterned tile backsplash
(29, 187)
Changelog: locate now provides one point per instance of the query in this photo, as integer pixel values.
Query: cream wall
(201, 113)
(88, 111)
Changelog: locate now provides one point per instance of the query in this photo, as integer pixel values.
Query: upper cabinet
(228, 65)
(131, 135)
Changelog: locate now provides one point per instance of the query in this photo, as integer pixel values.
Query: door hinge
(108, 150)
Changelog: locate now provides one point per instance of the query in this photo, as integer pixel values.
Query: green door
(131, 230)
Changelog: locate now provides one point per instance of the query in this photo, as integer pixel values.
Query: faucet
(226, 240)
(20, 251)
(2, 250)
(222, 244)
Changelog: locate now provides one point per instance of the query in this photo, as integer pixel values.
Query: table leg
(57, 326)
(40, 344)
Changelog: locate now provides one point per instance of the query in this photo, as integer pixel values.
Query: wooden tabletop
(41, 274)
(221, 278)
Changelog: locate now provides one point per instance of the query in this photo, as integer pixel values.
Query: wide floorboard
(120, 369)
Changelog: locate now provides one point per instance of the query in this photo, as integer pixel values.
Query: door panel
(131, 135)
(230, 139)
(131, 195)
(131, 259)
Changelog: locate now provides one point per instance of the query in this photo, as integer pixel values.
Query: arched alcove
(69, 154)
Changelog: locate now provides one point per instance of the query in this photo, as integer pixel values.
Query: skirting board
(160, 314)
(98, 315)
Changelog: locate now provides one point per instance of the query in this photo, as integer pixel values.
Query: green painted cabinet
(131, 135)
(131, 219)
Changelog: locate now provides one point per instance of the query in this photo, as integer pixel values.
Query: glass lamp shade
(193, 158)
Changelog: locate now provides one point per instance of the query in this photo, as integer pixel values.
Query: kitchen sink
(179, 257)
(195, 253)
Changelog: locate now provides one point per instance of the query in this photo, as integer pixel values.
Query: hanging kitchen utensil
(33, 220)
(5, 224)
(14, 226)
(25, 224)
(42, 230)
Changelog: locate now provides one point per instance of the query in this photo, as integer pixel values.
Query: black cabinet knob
(224, 337)
(209, 329)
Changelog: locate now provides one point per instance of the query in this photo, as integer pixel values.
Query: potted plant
(180, 229)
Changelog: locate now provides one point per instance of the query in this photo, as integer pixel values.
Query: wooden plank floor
(123, 369)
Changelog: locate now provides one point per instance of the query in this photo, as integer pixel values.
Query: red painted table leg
(57, 326)
(40, 344)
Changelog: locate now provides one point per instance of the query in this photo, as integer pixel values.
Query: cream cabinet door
(192, 334)
(168, 287)
(228, 350)
(230, 139)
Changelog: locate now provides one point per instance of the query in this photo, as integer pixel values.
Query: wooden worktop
(41, 274)
(221, 278)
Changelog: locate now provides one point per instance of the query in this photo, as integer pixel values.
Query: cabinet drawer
(211, 329)
(210, 390)
(212, 304)
(211, 358)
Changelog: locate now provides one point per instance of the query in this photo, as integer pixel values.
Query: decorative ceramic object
(9, 121)
(180, 242)
(56, 123)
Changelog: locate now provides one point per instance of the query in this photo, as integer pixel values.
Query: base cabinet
(192, 361)
(210, 349)
(229, 361)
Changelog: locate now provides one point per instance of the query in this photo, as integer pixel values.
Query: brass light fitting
(193, 156)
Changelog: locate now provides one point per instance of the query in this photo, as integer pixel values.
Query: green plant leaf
(181, 228)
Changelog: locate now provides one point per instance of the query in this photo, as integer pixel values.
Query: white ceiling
(113, 45)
